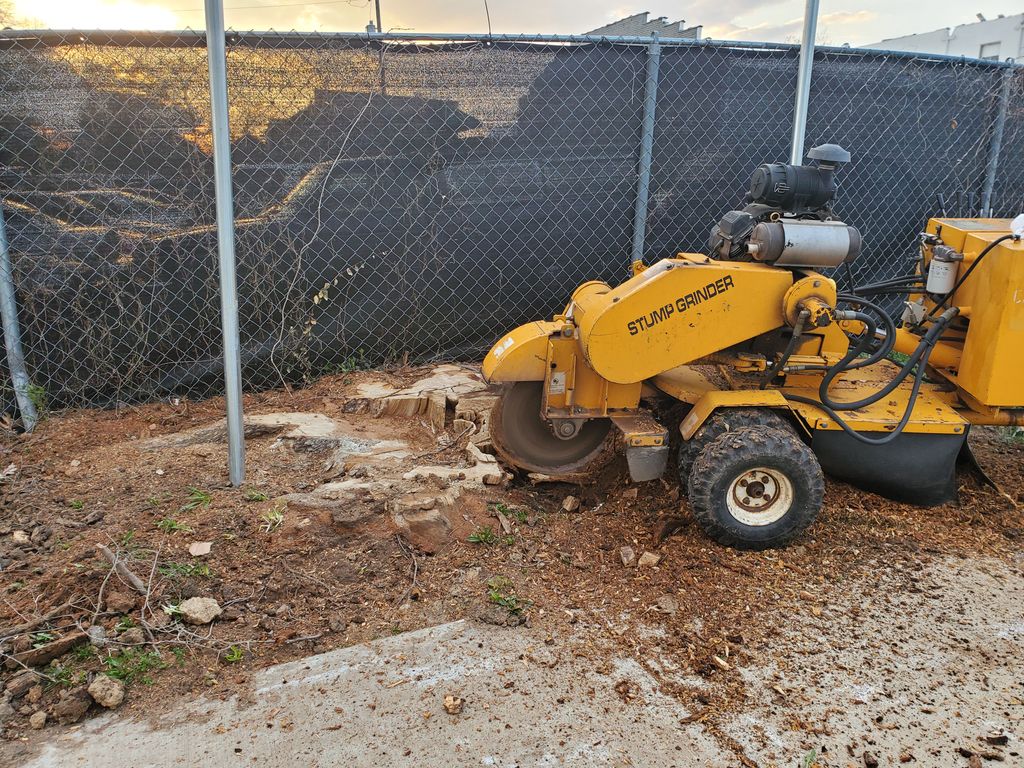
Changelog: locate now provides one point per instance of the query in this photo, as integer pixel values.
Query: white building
(994, 39)
(638, 24)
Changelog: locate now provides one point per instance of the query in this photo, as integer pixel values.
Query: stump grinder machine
(779, 374)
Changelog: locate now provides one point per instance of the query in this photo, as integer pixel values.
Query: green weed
(134, 666)
(272, 518)
(170, 525)
(482, 535)
(253, 495)
(196, 498)
(234, 654)
(185, 570)
(501, 591)
(39, 639)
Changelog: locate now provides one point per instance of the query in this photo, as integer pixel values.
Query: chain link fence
(400, 200)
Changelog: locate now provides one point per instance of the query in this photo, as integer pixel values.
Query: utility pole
(803, 82)
(380, 53)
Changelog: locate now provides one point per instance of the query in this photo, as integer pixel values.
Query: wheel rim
(759, 496)
(526, 440)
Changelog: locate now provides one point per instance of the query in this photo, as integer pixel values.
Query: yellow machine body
(725, 335)
(982, 355)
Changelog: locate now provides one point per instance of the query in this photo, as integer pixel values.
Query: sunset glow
(99, 14)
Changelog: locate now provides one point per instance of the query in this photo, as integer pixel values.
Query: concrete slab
(382, 704)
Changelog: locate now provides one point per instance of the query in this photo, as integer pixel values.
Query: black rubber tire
(718, 423)
(730, 455)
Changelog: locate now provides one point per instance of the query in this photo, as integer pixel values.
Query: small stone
(37, 720)
(35, 693)
(97, 635)
(72, 706)
(20, 537)
(120, 602)
(429, 530)
(667, 604)
(132, 636)
(628, 556)
(630, 493)
(337, 623)
(199, 548)
(199, 610)
(570, 504)
(648, 560)
(870, 761)
(106, 691)
(453, 704)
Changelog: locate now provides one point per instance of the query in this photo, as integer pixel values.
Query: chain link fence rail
(403, 199)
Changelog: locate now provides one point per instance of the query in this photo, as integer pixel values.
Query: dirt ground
(362, 522)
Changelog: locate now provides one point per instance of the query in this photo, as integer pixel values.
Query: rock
(870, 761)
(453, 704)
(974, 761)
(121, 602)
(132, 636)
(337, 623)
(106, 691)
(648, 560)
(35, 693)
(20, 684)
(199, 548)
(628, 556)
(97, 635)
(630, 494)
(426, 529)
(41, 534)
(199, 610)
(20, 537)
(73, 704)
(6, 710)
(37, 720)
(570, 504)
(667, 604)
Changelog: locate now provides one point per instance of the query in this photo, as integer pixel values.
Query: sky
(850, 21)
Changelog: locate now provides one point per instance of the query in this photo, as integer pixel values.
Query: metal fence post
(997, 142)
(216, 55)
(803, 82)
(643, 184)
(12, 334)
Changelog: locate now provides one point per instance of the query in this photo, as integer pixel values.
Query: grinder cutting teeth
(781, 375)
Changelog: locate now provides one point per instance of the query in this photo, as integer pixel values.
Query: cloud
(842, 22)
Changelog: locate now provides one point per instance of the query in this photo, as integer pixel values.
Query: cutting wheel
(523, 438)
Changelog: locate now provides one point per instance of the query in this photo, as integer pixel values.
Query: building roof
(638, 24)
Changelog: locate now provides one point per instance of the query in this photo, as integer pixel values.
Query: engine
(786, 219)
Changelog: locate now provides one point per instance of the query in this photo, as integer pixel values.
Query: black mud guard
(915, 468)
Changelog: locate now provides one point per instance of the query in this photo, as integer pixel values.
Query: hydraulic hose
(919, 357)
(890, 331)
(925, 345)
